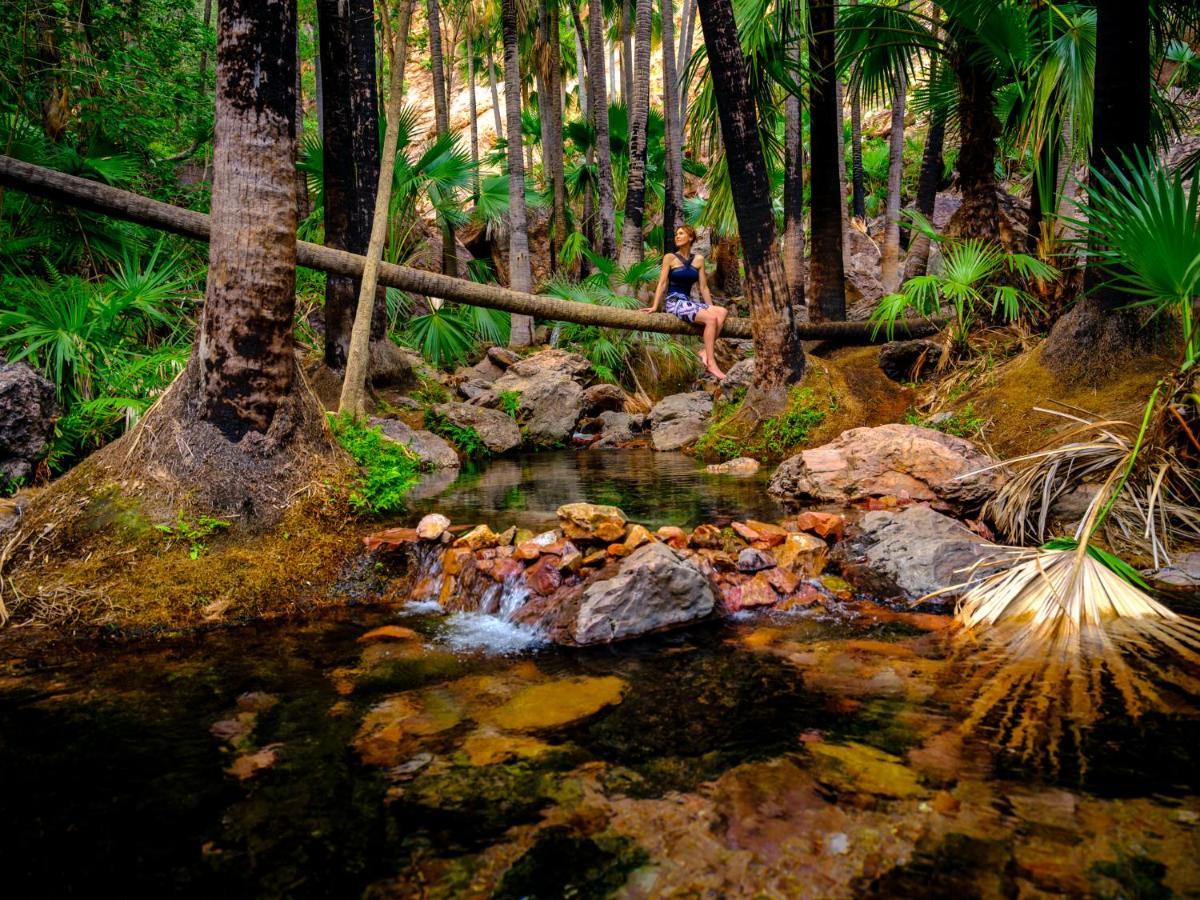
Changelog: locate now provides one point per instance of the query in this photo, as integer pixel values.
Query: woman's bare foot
(714, 371)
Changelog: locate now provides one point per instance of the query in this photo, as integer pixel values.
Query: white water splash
(422, 607)
(479, 631)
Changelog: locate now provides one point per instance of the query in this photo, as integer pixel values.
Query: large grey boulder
(738, 377)
(912, 553)
(679, 420)
(498, 432)
(616, 428)
(654, 589)
(603, 398)
(551, 394)
(890, 460)
(429, 448)
(27, 413)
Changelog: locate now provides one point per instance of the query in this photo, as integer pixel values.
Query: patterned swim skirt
(683, 307)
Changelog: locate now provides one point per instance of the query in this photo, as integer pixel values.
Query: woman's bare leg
(712, 321)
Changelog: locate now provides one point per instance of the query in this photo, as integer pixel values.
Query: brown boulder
(591, 522)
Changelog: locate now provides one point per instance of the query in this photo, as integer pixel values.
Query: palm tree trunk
(491, 66)
(556, 163)
(929, 179)
(440, 111)
(247, 368)
(793, 198)
(581, 66)
(632, 239)
(351, 156)
(626, 56)
(673, 132)
(827, 294)
(779, 356)
(354, 384)
(599, 99)
(978, 217)
(856, 164)
(688, 26)
(474, 113)
(520, 278)
(1095, 337)
(890, 266)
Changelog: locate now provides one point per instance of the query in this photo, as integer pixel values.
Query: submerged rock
(27, 415)
(429, 448)
(679, 420)
(743, 465)
(859, 769)
(654, 589)
(556, 703)
(891, 461)
(913, 552)
(498, 432)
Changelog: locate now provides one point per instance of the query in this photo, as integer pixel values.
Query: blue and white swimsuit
(680, 281)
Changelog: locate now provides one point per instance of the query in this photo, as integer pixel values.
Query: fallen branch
(111, 201)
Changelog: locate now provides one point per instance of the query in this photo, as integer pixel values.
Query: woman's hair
(691, 232)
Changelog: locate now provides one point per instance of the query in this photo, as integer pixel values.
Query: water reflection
(652, 488)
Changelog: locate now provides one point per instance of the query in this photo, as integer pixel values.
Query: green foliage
(963, 423)
(430, 393)
(510, 402)
(976, 278)
(1111, 562)
(775, 437)
(1144, 226)
(193, 532)
(466, 439)
(388, 469)
(794, 426)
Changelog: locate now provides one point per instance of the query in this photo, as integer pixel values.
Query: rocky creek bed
(439, 745)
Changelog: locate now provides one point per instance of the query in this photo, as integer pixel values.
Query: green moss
(387, 469)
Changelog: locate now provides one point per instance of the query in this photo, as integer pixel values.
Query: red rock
(758, 592)
(391, 538)
(803, 554)
(751, 560)
(245, 767)
(706, 537)
(388, 633)
(506, 568)
(945, 803)
(822, 523)
(618, 550)
(771, 535)
(745, 531)
(719, 560)
(637, 536)
(598, 556)
(528, 550)
(543, 576)
(674, 536)
(731, 597)
(478, 538)
(456, 560)
(782, 580)
(805, 595)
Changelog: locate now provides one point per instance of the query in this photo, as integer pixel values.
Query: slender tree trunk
(520, 277)
(244, 348)
(581, 66)
(440, 110)
(827, 294)
(491, 67)
(474, 112)
(632, 239)
(779, 356)
(793, 198)
(856, 164)
(1095, 338)
(353, 398)
(688, 31)
(673, 132)
(554, 153)
(351, 155)
(627, 63)
(929, 180)
(890, 267)
(302, 205)
(599, 99)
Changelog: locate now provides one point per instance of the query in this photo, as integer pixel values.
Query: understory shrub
(387, 469)
(775, 437)
(465, 438)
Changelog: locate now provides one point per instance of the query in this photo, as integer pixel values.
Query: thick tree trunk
(351, 155)
(979, 215)
(826, 287)
(673, 132)
(491, 66)
(1096, 337)
(244, 346)
(793, 199)
(599, 99)
(890, 265)
(779, 356)
(520, 278)
(101, 198)
(632, 239)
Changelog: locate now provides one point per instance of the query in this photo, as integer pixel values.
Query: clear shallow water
(815, 754)
(652, 488)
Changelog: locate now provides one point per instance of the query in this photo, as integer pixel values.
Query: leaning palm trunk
(353, 395)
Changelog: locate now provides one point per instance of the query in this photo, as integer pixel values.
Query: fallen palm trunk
(132, 207)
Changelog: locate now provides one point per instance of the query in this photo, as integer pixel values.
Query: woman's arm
(661, 288)
(703, 283)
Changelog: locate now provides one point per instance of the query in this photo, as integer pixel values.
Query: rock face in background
(890, 460)
(550, 387)
(739, 377)
(913, 552)
(909, 360)
(498, 432)
(601, 398)
(428, 447)
(654, 589)
(679, 420)
(27, 413)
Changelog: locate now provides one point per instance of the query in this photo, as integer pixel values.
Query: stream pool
(822, 752)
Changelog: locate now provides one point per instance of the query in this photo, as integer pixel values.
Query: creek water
(824, 752)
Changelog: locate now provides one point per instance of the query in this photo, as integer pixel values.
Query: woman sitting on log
(680, 273)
